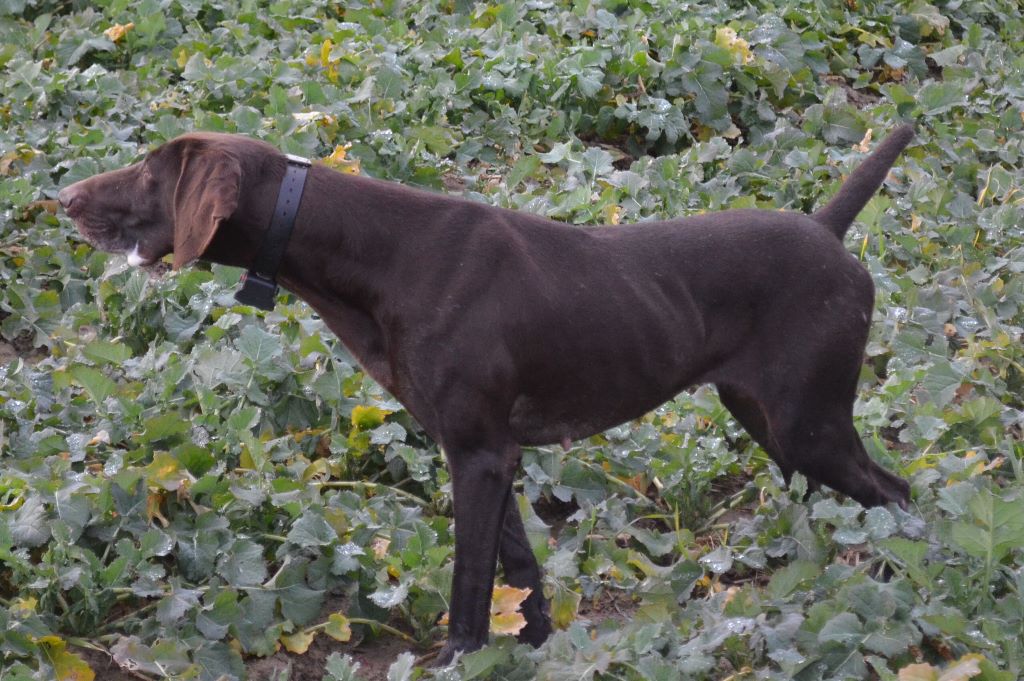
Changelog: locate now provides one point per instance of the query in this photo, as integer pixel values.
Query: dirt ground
(7, 353)
(374, 656)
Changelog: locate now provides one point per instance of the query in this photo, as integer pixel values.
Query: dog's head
(174, 200)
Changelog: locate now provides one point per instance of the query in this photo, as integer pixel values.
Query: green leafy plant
(191, 489)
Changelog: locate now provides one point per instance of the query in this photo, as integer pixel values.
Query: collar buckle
(257, 291)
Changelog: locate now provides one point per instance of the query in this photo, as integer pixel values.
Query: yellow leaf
(102, 437)
(319, 469)
(967, 666)
(864, 146)
(379, 546)
(11, 502)
(153, 501)
(507, 623)
(23, 606)
(638, 482)
(726, 38)
(329, 65)
(918, 672)
(325, 52)
(320, 118)
(612, 213)
(66, 666)
(565, 604)
(365, 417)
(508, 598)
(505, 604)
(116, 32)
(961, 670)
(339, 160)
(298, 642)
(338, 627)
(22, 154)
(165, 472)
(337, 519)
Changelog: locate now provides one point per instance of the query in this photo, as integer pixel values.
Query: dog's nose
(68, 196)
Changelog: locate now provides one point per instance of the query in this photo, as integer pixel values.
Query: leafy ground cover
(190, 489)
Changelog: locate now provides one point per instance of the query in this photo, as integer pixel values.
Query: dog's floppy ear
(206, 196)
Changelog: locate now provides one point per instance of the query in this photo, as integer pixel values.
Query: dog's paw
(538, 626)
(446, 656)
(892, 488)
(451, 649)
(882, 488)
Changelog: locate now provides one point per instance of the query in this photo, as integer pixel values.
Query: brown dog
(498, 329)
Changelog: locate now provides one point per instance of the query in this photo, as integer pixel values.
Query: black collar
(259, 287)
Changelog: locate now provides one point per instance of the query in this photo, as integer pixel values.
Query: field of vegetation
(192, 489)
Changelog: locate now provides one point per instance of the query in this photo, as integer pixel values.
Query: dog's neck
(344, 250)
(350, 252)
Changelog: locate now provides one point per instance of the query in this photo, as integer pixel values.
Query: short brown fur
(498, 329)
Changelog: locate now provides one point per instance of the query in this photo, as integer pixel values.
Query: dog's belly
(570, 415)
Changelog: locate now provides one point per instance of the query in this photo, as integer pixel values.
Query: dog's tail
(863, 182)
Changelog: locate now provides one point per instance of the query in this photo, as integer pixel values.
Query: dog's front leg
(522, 571)
(481, 486)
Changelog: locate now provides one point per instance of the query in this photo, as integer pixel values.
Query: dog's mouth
(115, 241)
(137, 259)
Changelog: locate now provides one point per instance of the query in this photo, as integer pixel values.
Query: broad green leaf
(167, 426)
(242, 564)
(844, 628)
(997, 527)
(525, 167)
(107, 352)
(30, 526)
(911, 557)
(298, 602)
(173, 607)
(929, 17)
(311, 530)
(935, 98)
(341, 668)
(389, 597)
(259, 346)
(479, 664)
(787, 579)
(437, 139)
(402, 668)
(94, 381)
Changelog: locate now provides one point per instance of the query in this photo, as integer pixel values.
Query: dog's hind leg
(749, 414)
(522, 571)
(815, 433)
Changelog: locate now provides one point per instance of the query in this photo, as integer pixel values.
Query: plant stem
(356, 484)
